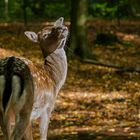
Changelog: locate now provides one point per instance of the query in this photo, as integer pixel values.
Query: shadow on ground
(90, 136)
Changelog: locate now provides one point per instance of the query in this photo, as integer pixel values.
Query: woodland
(100, 99)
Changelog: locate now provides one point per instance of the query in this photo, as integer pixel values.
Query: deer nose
(65, 28)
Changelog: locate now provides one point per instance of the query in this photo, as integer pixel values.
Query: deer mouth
(64, 32)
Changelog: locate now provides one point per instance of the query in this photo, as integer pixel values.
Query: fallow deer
(28, 91)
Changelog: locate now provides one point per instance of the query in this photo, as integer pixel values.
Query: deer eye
(45, 35)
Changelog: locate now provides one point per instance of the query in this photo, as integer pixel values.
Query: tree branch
(117, 67)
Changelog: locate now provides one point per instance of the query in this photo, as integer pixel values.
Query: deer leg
(3, 119)
(11, 119)
(4, 127)
(44, 123)
(28, 133)
(20, 127)
(22, 121)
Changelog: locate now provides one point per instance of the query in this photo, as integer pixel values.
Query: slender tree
(6, 9)
(78, 40)
(24, 6)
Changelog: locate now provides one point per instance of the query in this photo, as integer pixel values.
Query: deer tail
(14, 76)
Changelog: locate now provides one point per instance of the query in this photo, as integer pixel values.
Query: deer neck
(56, 64)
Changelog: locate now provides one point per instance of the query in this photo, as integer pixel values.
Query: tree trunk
(6, 9)
(78, 31)
(118, 13)
(24, 12)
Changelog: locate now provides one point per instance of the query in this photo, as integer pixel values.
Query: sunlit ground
(96, 102)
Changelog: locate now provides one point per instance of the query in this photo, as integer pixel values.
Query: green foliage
(42, 9)
(112, 8)
(15, 10)
(56, 10)
(35, 9)
(102, 10)
(127, 44)
(1, 8)
(125, 8)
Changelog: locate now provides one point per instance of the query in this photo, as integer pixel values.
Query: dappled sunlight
(95, 101)
(96, 112)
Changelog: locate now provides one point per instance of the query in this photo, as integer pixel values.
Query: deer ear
(59, 22)
(32, 36)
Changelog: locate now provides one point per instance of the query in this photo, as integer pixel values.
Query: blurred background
(35, 10)
(101, 97)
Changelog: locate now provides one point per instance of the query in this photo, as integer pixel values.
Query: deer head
(50, 39)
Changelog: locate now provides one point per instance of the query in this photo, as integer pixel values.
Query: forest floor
(96, 102)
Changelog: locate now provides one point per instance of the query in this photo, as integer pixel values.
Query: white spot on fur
(41, 102)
